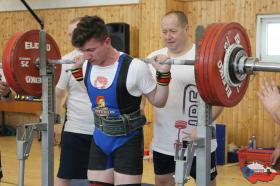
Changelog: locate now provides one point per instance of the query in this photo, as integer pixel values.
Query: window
(268, 38)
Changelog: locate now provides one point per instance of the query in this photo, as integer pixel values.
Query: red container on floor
(262, 157)
(248, 156)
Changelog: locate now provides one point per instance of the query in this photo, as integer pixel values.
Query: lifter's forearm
(158, 97)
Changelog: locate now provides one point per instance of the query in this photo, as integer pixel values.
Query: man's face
(174, 34)
(95, 51)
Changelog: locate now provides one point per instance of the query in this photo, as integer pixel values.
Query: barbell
(222, 63)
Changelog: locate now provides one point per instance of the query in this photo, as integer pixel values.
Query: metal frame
(203, 150)
(46, 127)
(202, 145)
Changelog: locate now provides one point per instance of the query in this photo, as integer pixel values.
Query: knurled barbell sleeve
(253, 65)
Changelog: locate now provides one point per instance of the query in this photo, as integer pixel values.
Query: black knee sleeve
(98, 183)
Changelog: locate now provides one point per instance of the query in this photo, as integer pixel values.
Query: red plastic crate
(247, 156)
(263, 157)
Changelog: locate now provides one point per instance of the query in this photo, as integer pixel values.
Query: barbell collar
(253, 65)
(169, 61)
(233, 66)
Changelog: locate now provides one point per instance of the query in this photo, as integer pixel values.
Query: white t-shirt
(139, 78)
(79, 114)
(181, 106)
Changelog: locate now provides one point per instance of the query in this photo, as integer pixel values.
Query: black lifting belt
(120, 126)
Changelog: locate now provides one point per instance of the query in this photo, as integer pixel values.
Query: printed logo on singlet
(191, 104)
(100, 82)
(102, 109)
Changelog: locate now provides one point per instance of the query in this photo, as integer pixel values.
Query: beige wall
(244, 120)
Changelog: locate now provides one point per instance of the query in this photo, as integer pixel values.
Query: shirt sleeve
(64, 77)
(140, 80)
(65, 73)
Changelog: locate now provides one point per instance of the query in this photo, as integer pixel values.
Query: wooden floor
(228, 175)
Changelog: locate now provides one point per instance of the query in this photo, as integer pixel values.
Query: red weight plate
(226, 95)
(24, 54)
(199, 66)
(211, 92)
(218, 29)
(214, 28)
(6, 65)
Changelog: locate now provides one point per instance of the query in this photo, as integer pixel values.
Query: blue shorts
(74, 155)
(165, 164)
